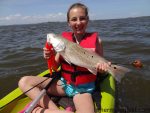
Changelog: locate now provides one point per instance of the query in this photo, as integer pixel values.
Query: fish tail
(118, 72)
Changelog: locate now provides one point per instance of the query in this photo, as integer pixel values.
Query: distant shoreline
(65, 21)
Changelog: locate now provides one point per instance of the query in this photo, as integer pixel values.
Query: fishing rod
(136, 63)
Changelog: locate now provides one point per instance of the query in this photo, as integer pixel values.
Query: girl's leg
(29, 82)
(83, 103)
(41, 110)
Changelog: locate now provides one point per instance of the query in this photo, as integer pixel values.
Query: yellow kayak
(16, 100)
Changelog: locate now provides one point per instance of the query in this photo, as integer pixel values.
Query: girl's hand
(102, 67)
(48, 53)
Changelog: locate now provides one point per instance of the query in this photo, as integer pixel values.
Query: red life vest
(74, 74)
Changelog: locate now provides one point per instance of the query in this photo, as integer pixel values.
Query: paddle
(42, 93)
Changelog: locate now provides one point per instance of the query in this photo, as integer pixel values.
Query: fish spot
(115, 67)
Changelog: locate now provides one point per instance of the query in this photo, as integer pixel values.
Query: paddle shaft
(42, 93)
(35, 101)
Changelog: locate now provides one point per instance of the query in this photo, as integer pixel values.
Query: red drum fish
(74, 54)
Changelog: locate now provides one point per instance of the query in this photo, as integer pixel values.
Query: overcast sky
(36, 11)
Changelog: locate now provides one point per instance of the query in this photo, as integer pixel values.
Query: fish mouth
(49, 37)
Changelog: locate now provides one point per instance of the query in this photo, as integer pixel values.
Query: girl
(81, 87)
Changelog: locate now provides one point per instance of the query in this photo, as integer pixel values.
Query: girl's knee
(23, 82)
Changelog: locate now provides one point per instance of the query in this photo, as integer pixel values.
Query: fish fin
(118, 72)
(93, 71)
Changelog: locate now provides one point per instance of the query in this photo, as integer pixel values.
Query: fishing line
(26, 92)
(54, 74)
(35, 86)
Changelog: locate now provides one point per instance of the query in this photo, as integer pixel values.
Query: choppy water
(124, 40)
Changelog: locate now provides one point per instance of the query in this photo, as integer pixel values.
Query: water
(124, 40)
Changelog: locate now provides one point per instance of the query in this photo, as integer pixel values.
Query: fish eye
(115, 67)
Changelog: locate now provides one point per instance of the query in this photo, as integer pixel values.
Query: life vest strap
(76, 73)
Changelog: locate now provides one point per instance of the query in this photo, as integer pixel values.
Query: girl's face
(78, 20)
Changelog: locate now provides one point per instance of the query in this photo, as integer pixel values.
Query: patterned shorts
(72, 90)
